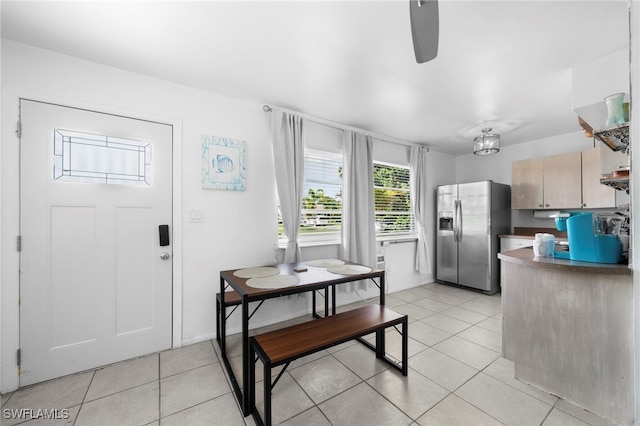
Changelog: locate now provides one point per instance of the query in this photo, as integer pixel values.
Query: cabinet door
(563, 181)
(594, 194)
(508, 244)
(526, 184)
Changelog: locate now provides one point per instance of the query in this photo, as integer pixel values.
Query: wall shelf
(620, 183)
(615, 137)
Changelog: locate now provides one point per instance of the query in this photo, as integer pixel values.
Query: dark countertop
(525, 257)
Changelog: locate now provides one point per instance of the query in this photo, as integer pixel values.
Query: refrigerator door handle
(459, 220)
(455, 220)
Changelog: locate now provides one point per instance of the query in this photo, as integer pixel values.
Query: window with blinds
(321, 215)
(392, 199)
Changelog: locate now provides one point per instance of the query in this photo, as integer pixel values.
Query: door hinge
(19, 243)
(19, 357)
(19, 129)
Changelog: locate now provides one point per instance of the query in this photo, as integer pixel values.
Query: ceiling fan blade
(425, 29)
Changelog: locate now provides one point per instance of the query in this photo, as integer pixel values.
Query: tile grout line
(453, 392)
(489, 375)
(551, 411)
(430, 408)
(478, 371)
(474, 375)
(86, 392)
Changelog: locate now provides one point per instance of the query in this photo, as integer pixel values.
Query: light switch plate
(196, 216)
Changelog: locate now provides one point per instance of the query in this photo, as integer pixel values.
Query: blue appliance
(589, 240)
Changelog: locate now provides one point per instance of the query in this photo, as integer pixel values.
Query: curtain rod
(333, 124)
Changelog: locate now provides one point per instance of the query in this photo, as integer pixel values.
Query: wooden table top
(313, 277)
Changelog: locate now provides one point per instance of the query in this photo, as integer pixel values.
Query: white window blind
(392, 200)
(321, 215)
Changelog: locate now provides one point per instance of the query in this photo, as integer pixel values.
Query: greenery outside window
(392, 200)
(321, 215)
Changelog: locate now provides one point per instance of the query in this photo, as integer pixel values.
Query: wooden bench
(288, 344)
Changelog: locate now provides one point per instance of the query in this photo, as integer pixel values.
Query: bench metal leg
(267, 393)
(379, 347)
(252, 376)
(255, 352)
(405, 347)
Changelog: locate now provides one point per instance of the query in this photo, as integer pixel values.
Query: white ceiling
(503, 64)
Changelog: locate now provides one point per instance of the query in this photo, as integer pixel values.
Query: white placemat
(325, 263)
(349, 269)
(276, 281)
(259, 272)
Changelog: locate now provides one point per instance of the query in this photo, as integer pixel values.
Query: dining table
(257, 284)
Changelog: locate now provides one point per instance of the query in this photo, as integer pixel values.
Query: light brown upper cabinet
(563, 181)
(594, 194)
(553, 182)
(526, 184)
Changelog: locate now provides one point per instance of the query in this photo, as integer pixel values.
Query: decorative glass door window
(85, 157)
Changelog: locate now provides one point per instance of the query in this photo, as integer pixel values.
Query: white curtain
(418, 184)
(288, 158)
(358, 207)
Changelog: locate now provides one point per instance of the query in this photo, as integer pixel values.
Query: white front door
(95, 282)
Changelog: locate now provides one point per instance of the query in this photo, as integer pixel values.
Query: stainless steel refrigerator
(470, 218)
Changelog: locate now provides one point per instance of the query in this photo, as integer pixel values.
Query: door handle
(164, 256)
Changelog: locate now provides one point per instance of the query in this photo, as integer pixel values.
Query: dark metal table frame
(315, 278)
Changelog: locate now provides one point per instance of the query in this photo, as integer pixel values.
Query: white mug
(540, 248)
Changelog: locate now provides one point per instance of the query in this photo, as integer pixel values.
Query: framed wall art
(223, 163)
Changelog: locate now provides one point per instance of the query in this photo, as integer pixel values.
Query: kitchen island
(567, 326)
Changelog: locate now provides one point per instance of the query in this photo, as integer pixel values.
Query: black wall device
(163, 231)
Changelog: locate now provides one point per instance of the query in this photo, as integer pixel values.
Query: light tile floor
(456, 377)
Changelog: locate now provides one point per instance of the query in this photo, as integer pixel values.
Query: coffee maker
(593, 237)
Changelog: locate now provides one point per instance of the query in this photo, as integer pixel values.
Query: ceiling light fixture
(488, 143)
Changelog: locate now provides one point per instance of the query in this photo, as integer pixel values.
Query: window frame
(332, 159)
(306, 239)
(411, 232)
